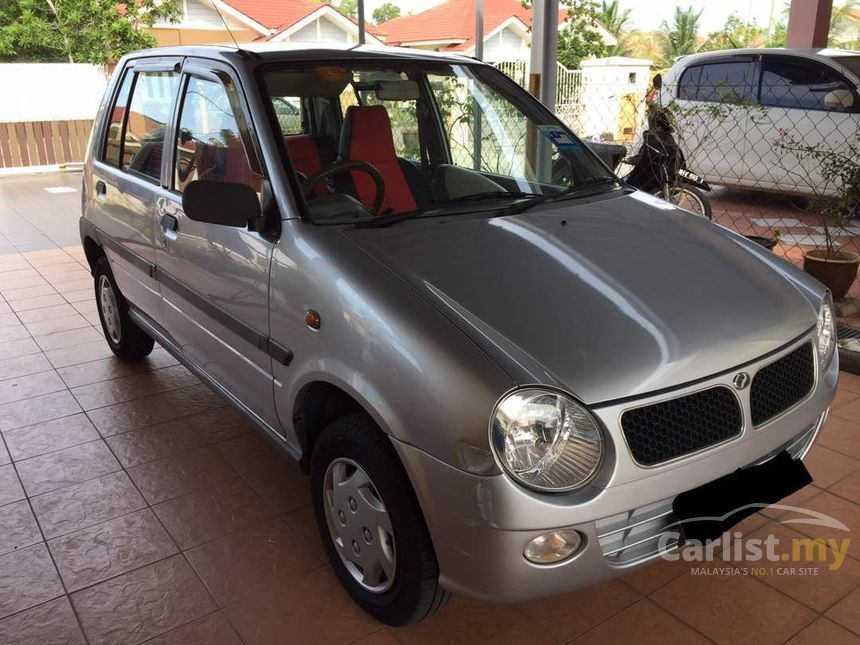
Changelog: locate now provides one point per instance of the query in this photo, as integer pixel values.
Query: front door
(215, 279)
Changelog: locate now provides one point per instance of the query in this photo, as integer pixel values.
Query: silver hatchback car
(507, 373)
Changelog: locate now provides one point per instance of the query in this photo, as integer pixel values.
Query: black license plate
(707, 512)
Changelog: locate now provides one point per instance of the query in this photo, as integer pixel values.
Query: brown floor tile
(828, 466)
(82, 353)
(23, 365)
(143, 603)
(569, 615)
(27, 578)
(262, 557)
(176, 475)
(219, 424)
(18, 527)
(47, 313)
(849, 488)
(213, 629)
(737, 608)
(52, 623)
(25, 387)
(68, 338)
(10, 486)
(642, 623)
(31, 441)
(468, 621)
(111, 368)
(301, 522)
(82, 505)
(270, 472)
(66, 467)
(197, 398)
(818, 591)
(653, 576)
(838, 508)
(824, 631)
(847, 611)
(841, 435)
(111, 548)
(850, 382)
(146, 444)
(210, 513)
(18, 347)
(135, 386)
(849, 411)
(37, 409)
(384, 636)
(54, 325)
(843, 397)
(124, 417)
(314, 609)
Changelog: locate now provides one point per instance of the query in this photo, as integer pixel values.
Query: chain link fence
(781, 152)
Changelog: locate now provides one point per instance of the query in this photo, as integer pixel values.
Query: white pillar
(543, 71)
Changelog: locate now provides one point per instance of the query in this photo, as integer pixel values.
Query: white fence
(50, 91)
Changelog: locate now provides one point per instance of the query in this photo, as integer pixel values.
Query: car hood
(609, 298)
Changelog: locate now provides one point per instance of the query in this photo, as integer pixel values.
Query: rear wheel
(689, 198)
(371, 525)
(126, 339)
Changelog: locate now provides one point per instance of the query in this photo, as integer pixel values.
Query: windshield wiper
(570, 191)
(492, 194)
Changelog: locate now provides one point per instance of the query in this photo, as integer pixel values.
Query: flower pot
(766, 242)
(837, 272)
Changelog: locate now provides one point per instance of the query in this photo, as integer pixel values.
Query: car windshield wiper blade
(570, 191)
(493, 194)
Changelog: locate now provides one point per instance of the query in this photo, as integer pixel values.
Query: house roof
(453, 22)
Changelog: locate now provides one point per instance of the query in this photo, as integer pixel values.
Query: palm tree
(845, 24)
(682, 35)
(615, 19)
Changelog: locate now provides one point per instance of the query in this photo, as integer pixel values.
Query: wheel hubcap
(110, 311)
(359, 525)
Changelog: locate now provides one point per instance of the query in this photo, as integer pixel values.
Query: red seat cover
(305, 156)
(369, 138)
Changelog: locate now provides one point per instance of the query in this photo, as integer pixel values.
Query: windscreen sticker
(561, 139)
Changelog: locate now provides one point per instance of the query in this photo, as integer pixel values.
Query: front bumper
(480, 524)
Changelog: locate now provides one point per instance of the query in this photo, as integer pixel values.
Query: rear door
(713, 104)
(127, 173)
(215, 279)
(795, 116)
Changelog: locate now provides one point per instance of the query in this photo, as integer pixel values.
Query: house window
(631, 78)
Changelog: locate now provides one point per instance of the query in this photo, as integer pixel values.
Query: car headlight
(546, 440)
(826, 331)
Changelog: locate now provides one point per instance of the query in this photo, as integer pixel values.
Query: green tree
(736, 33)
(80, 31)
(681, 37)
(385, 12)
(844, 26)
(778, 34)
(579, 38)
(348, 8)
(616, 21)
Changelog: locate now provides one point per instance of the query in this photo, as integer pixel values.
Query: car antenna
(226, 26)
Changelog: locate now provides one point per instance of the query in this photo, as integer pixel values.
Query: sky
(648, 14)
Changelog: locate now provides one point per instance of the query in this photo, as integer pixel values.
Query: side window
(209, 143)
(729, 82)
(113, 140)
(148, 115)
(794, 83)
(688, 87)
(288, 110)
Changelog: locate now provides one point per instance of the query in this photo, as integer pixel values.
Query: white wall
(50, 91)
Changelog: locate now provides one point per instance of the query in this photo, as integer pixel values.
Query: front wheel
(371, 525)
(689, 198)
(126, 339)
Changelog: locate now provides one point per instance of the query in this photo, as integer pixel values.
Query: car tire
(127, 341)
(686, 195)
(360, 457)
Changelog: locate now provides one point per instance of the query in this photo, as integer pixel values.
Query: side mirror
(657, 82)
(839, 99)
(220, 202)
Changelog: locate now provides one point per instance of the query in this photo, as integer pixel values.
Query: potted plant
(836, 205)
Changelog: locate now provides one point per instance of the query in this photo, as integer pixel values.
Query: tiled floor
(135, 507)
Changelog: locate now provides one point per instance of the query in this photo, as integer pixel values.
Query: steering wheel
(347, 166)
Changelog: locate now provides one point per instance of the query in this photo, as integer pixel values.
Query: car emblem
(741, 380)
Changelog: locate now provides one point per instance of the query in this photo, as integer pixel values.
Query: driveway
(135, 506)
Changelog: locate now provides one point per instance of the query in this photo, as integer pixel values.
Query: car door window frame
(750, 96)
(814, 63)
(217, 72)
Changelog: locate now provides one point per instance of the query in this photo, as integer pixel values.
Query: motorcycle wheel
(689, 198)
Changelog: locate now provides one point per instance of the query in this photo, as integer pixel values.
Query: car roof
(287, 52)
(805, 52)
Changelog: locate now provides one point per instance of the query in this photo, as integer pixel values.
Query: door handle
(101, 189)
(169, 222)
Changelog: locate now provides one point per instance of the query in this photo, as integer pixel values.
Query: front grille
(670, 429)
(778, 386)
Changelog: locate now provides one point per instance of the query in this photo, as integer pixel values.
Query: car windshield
(398, 139)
